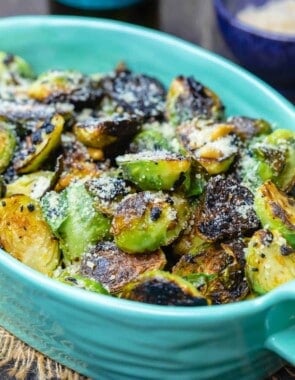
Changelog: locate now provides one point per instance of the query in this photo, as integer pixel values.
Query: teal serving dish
(108, 338)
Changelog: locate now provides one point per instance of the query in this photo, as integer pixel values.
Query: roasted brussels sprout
(217, 270)
(188, 99)
(136, 94)
(145, 221)
(157, 170)
(105, 131)
(114, 268)
(78, 281)
(213, 145)
(226, 211)
(247, 128)
(270, 261)
(276, 211)
(33, 185)
(39, 145)
(25, 234)
(163, 288)
(13, 69)
(107, 191)
(64, 86)
(7, 144)
(74, 220)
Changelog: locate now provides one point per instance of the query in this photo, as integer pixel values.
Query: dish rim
(87, 299)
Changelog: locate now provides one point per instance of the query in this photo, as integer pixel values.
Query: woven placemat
(18, 361)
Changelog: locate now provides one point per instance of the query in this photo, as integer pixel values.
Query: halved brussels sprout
(136, 94)
(145, 221)
(270, 261)
(188, 99)
(25, 234)
(163, 288)
(78, 281)
(74, 219)
(225, 211)
(157, 170)
(7, 144)
(217, 270)
(33, 185)
(36, 149)
(63, 86)
(213, 145)
(276, 211)
(105, 131)
(114, 268)
(246, 128)
(107, 191)
(13, 69)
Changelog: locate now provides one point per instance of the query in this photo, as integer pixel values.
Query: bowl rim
(89, 300)
(221, 8)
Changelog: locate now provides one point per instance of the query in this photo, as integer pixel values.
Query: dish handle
(280, 323)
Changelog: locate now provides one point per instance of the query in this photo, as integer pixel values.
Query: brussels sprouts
(25, 234)
(105, 131)
(136, 94)
(246, 128)
(188, 99)
(163, 288)
(74, 220)
(78, 281)
(63, 86)
(270, 261)
(226, 211)
(213, 145)
(145, 221)
(13, 69)
(217, 270)
(36, 149)
(107, 191)
(270, 158)
(158, 170)
(276, 210)
(149, 140)
(114, 268)
(7, 144)
(33, 185)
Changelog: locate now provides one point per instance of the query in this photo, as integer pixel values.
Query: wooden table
(17, 360)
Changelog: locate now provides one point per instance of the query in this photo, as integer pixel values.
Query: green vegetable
(13, 69)
(7, 144)
(270, 261)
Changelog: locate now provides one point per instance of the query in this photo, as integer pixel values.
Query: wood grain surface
(192, 20)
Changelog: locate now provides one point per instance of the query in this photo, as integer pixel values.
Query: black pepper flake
(262, 255)
(48, 127)
(37, 137)
(3, 203)
(255, 270)
(21, 208)
(155, 213)
(30, 207)
(286, 250)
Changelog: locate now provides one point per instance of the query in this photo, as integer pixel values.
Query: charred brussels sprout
(39, 145)
(25, 234)
(78, 281)
(188, 99)
(247, 128)
(136, 94)
(163, 288)
(225, 211)
(105, 131)
(217, 270)
(114, 268)
(74, 220)
(270, 261)
(13, 69)
(63, 86)
(145, 221)
(276, 211)
(7, 144)
(33, 185)
(213, 145)
(158, 170)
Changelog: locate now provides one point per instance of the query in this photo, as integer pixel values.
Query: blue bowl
(268, 54)
(109, 338)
